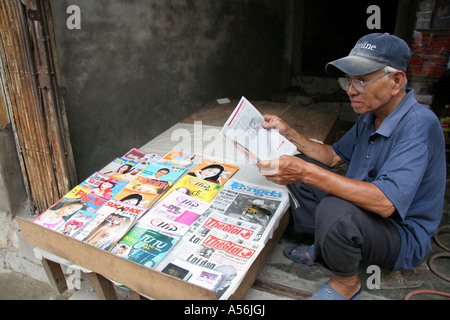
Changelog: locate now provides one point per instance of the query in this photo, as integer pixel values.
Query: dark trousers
(344, 235)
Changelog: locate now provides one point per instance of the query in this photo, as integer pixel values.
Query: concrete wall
(136, 67)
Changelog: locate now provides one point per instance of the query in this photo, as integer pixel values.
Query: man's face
(376, 95)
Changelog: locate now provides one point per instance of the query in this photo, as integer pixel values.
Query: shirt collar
(391, 122)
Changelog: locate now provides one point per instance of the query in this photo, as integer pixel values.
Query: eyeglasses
(358, 85)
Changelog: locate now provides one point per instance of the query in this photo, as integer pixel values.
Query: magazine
(162, 171)
(249, 203)
(145, 245)
(196, 188)
(103, 186)
(76, 222)
(180, 207)
(123, 169)
(184, 160)
(118, 218)
(76, 199)
(150, 221)
(213, 171)
(60, 212)
(142, 191)
(244, 128)
(141, 157)
(220, 252)
(194, 274)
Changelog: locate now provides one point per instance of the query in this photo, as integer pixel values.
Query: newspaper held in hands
(244, 128)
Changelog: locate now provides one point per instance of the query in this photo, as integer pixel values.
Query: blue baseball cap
(374, 52)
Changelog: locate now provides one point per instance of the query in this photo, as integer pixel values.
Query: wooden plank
(141, 279)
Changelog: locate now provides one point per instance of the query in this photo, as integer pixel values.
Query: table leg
(103, 287)
(55, 275)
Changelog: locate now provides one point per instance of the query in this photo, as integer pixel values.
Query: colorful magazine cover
(60, 212)
(103, 186)
(163, 171)
(152, 221)
(92, 201)
(76, 199)
(213, 171)
(123, 169)
(76, 222)
(180, 207)
(182, 159)
(118, 218)
(141, 157)
(143, 191)
(196, 188)
(145, 246)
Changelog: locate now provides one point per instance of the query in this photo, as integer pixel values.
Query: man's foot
(299, 253)
(326, 292)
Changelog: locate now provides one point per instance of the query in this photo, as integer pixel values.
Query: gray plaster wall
(136, 67)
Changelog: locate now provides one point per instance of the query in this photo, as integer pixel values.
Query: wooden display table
(102, 265)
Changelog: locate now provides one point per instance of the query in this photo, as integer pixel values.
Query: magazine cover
(182, 159)
(76, 199)
(123, 169)
(93, 201)
(163, 171)
(103, 186)
(145, 246)
(60, 212)
(119, 217)
(141, 157)
(142, 191)
(196, 188)
(150, 221)
(213, 171)
(76, 222)
(180, 207)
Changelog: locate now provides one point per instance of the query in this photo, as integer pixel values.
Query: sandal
(328, 293)
(297, 253)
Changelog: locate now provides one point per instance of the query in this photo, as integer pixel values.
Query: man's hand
(275, 122)
(283, 171)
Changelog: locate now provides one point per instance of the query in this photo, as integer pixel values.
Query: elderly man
(388, 206)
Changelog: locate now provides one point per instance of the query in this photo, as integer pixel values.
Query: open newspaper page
(244, 128)
(217, 251)
(257, 210)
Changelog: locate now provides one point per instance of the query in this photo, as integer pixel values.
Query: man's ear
(399, 79)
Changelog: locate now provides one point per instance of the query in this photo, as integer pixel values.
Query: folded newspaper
(244, 128)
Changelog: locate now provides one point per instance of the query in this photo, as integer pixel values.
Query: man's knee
(337, 217)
